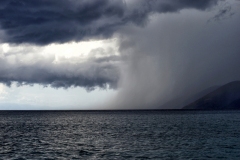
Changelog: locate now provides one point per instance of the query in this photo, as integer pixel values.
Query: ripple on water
(120, 135)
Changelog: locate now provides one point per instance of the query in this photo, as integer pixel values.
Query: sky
(115, 54)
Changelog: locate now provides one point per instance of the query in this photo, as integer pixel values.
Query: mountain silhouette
(224, 97)
(178, 103)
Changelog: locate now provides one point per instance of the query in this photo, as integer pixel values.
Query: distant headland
(223, 98)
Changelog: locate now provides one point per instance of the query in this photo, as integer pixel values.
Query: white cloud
(3, 92)
(81, 50)
(68, 55)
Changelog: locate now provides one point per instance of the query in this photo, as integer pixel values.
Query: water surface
(120, 135)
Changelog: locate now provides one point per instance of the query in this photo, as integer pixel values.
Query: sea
(138, 134)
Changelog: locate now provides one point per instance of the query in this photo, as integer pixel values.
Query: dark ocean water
(120, 135)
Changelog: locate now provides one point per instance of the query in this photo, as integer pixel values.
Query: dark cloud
(46, 21)
(95, 72)
(225, 11)
(176, 56)
(173, 56)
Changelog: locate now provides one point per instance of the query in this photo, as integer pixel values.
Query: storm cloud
(91, 73)
(177, 56)
(49, 21)
(168, 49)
